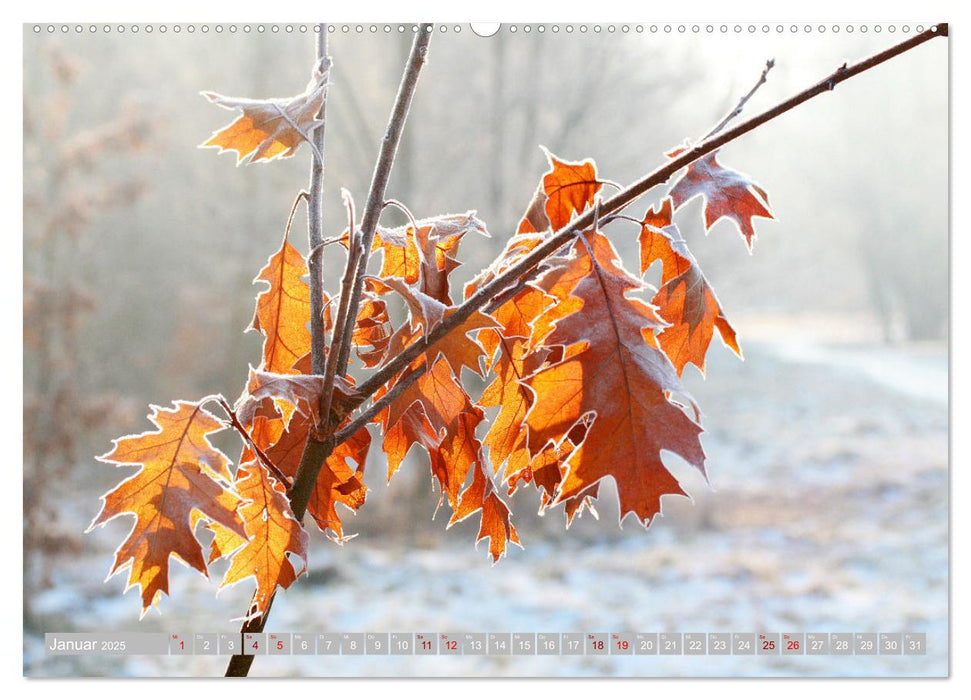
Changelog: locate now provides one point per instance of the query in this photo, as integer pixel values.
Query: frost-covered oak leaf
(283, 310)
(727, 194)
(272, 128)
(611, 372)
(685, 299)
(182, 479)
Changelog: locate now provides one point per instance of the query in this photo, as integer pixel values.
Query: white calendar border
(508, 10)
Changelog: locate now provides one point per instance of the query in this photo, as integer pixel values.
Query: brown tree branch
(315, 214)
(319, 448)
(239, 664)
(379, 182)
(484, 297)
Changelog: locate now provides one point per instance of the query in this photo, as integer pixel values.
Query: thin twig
(741, 103)
(305, 480)
(317, 449)
(379, 180)
(404, 210)
(239, 664)
(315, 221)
(326, 242)
(245, 434)
(303, 195)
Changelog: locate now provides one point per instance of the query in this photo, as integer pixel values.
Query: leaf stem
(244, 433)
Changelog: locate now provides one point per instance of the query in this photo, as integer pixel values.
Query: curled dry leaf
(373, 330)
(272, 128)
(566, 190)
(426, 257)
(291, 392)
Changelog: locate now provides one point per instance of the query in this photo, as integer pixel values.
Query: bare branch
(382, 173)
(315, 219)
(239, 664)
(741, 103)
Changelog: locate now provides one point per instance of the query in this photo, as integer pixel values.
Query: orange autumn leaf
(566, 190)
(426, 257)
(272, 128)
(570, 187)
(425, 312)
(727, 194)
(613, 373)
(458, 347)
(685, 299)
(372, 332)
(283, 310)
(438, 243)
(182, 479)
(545, 471)
(516, 317)
(506, 438)
(338, 482)
(453, 452)
(273, 532)
(441, 397)
(411, 428)
(655, 242)
(436, 413)
(480, 497)
(458, 453)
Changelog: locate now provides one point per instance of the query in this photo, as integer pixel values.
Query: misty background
(139, 255)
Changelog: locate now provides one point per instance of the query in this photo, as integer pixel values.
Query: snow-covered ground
(827, 512)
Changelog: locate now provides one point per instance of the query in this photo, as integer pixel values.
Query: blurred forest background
(140, 250)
